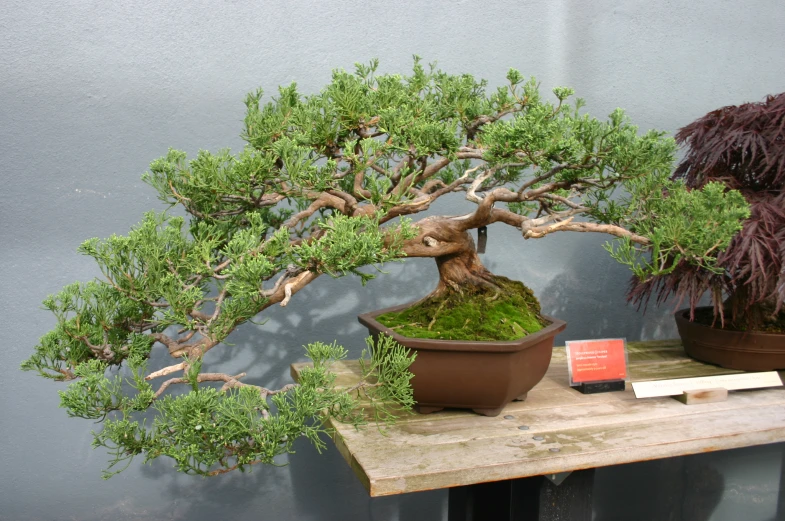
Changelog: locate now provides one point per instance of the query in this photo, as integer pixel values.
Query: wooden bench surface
(564, 429)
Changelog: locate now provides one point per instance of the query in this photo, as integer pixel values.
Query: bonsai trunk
(761, 316)
(460, 268)
(462, 271)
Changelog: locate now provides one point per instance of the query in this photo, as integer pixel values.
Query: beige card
(730, 382)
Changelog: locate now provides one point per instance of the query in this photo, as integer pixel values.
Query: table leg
(525, 499)
(781, 497)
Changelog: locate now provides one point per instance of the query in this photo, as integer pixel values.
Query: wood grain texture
(564, 429)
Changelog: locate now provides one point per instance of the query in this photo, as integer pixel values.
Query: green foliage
(209, 431)
(389, 392)
(95, 395)
(94, 320)
(324, 186)
(349, 242)
(682, 224)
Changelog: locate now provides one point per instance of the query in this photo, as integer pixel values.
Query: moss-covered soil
(706, 317)
(475, 314)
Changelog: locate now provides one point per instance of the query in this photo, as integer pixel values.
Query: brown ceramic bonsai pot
(744, 350)
(482, 376)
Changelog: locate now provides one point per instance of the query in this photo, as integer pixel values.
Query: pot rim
(369, 320)
(682, 320)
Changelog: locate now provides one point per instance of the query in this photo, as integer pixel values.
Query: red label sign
(597, 360)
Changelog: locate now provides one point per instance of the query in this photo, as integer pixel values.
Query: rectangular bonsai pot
(482, 376)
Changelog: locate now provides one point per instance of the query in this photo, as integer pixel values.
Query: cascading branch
(325, 185)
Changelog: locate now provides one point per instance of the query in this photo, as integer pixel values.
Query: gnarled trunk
(460, 268)
(469, 302)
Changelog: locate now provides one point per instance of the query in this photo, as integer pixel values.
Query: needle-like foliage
(325, 185)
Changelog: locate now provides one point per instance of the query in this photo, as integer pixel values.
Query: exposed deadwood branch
(471, 195)
(544, 189)
(565, 201)
(166, 370)
(568, 225)
(232, 381)
(295, 285)
(551, 216)
(178, 348)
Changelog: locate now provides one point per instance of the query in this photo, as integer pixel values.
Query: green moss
(474, 314)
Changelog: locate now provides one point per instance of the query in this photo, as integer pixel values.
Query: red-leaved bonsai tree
(326, 185)
(742, 147)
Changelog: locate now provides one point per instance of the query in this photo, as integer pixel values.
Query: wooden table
(556, 433)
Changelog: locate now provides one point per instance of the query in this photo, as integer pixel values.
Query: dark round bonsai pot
(482, 376)
(744, 350)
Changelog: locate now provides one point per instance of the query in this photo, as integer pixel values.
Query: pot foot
(489, 412)
(520, 398)
(424, 409)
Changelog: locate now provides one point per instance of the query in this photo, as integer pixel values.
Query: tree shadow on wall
(307, 487)
(589, 293)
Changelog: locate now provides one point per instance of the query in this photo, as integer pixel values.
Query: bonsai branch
(536, 233)
(178, 348)
(182, 366)
(230, 381)
(569, 225)
(292, 287)
(565, 201)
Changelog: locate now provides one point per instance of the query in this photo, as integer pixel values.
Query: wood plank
(478, 461)
(675, 369)
(551, 420)
(453, 452)
(573, 431)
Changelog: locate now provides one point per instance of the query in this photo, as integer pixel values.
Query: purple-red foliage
(744, 147)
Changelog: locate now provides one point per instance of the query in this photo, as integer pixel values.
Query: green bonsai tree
(325, 186)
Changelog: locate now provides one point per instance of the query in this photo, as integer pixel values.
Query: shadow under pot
(743, 350)
(463, 374)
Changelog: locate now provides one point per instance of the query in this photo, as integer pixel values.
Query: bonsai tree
(326, 186)
(743, 148)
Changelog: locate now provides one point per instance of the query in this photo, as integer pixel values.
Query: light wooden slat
(453, 447)
(553, 419)
(580, 448)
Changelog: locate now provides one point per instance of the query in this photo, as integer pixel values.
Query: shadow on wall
(576, 280)
(309, 486)
(594, 301)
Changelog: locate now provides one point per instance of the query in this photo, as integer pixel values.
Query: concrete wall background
(91, 92)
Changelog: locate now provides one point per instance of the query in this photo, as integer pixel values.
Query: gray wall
(91, 92)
